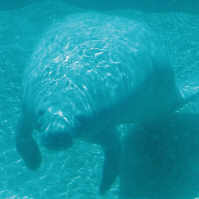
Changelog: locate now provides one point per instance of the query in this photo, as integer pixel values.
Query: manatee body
(90, 73)
(163, 163)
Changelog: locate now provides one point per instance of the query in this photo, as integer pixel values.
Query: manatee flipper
(110, 143)
(26, 145)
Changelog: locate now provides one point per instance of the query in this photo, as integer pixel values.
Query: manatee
(162, 163)
(88, 74)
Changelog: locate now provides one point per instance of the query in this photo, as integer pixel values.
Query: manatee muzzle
(56, 136)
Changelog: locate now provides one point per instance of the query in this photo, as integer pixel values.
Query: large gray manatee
(90, 73)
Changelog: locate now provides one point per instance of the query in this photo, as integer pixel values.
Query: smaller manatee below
(162, 163)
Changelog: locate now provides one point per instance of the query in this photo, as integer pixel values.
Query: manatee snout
(56, 135)
(56, 140)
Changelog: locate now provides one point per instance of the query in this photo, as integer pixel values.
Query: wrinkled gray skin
(89, 74)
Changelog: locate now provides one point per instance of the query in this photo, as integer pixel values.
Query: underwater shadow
(163, 163)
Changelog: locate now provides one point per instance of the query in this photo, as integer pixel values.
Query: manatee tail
(26, 145)
(110, 143)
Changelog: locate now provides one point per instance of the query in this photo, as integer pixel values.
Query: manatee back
(103, 66)
(96, 60)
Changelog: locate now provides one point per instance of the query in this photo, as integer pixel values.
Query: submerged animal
(90, 73)
(162, 163)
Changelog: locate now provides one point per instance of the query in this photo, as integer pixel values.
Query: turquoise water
(75, 173)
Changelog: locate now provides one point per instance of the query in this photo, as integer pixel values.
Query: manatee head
(56, 130)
